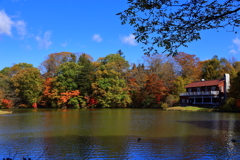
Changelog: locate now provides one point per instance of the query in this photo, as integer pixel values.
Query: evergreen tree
(85, 78)
(120, 53)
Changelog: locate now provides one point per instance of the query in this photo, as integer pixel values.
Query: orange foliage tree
(50, 94)
(190, 66)
(66, 96)
(136, 92)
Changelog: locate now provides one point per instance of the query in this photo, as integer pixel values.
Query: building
(206, 93)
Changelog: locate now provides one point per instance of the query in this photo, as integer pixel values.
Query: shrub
(171, 100)
(164, 106)
(74, 102)
(229, 105)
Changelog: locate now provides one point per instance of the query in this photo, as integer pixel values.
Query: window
(199, 100)
(183, 100)
(207, 100)
(213, 88)
(189, 89)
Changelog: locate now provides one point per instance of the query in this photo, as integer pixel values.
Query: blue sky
(32, 29)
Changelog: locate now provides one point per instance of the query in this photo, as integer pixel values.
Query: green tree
(215, 68)
(5, 71)
(234, 91)
(68, 74)
(179, 85)
(110, 88)
(86, 76)
(211, 69)
(18, 67)
(172, 23)
(117, 63)
(233, 101)
(6, 86)
(236, 66)
(28, 85)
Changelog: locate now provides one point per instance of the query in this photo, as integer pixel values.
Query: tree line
(69, 80)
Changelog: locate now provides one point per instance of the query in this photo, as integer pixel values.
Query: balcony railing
(200, 93)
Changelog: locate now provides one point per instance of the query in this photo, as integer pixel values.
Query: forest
(70, 80)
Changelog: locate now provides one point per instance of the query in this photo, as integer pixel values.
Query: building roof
(215, 82)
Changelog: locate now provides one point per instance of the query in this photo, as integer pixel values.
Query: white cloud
(236, 41)
(97, 38)
(5, 23)
(64, 44)
(233, 51)
(45, 41)
(21, 27)
(129, 40)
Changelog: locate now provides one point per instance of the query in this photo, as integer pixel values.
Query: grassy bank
(5, 112)
(189, 108)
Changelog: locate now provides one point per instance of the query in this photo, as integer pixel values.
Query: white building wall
(227, 83)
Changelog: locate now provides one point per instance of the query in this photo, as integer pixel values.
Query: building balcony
(200, 93)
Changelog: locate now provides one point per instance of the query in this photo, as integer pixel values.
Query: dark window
(207, 100)
(199, 100)
(215, 100)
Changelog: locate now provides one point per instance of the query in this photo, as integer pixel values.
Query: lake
(119, 134)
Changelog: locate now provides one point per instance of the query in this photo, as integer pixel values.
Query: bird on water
(139, 139)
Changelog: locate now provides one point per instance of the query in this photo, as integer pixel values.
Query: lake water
(114, 134)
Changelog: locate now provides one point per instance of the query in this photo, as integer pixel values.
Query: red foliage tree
(158, 98)
(238, 104)
(154, 89)
(92, 102)
(34, 105)
(7, 103)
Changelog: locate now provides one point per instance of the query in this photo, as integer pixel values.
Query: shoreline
(190, 108)
(5, 112)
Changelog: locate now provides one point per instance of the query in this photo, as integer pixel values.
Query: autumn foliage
(6, 103)
(34, 105)
(47, 87)
(65, 97)
(92, 102)
(155, 89)
(74, 81)
(238, 103)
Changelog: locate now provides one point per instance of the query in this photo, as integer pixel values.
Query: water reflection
(117, 147)
(113, 134)
(225, 132)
